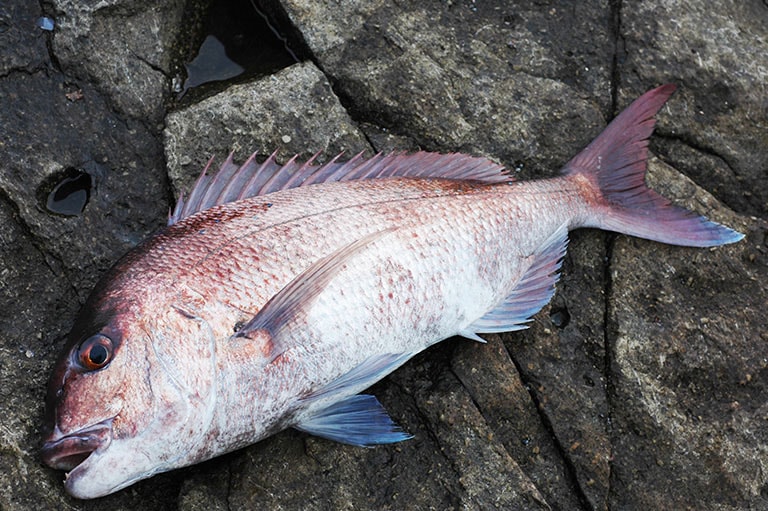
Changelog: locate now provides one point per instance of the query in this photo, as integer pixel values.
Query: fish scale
(288, 230)
(342, 339)
(310, 237)
(278, 293)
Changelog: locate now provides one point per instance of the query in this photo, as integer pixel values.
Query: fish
(278, 293)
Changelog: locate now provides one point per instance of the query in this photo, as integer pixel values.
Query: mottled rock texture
(642, 385)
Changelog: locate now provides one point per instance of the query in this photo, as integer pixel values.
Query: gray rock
(293, 112)
(80, 133)
(485, 77)
(22, 45)
(687, 355)
(716, 130)
(641, 385)
(125, 47)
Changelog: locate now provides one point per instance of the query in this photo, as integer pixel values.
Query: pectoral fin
(532, 292)
(355, 420)
(303, 290)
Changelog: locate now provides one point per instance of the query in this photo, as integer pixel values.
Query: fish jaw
(79, 454)
(67, 452)
(97, 464)
(98, 461)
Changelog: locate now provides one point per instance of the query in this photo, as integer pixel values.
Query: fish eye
(95, 352)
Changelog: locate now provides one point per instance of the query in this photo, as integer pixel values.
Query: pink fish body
(278, 294)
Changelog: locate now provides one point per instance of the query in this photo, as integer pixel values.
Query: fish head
(132, 395)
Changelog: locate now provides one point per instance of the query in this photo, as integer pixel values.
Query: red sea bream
(277, 294)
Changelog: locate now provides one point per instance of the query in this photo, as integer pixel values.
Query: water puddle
(71, 192)
(235, 40)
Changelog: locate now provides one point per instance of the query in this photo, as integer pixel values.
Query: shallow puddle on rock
(236, 40)
(71, 193)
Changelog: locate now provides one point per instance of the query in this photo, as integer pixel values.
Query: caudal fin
(614, 165)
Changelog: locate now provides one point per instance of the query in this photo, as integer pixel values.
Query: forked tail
(614, 165)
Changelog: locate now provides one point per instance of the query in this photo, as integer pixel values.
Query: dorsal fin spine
(199, 188)
(277, 175)
(214, 192)
(312, 178)
(250, 188)
(249, 162)
(230, 189)
(298, 177)
(346, 168)
(233, 183)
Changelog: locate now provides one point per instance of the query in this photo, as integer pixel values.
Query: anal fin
(469, 334)
(534, 290)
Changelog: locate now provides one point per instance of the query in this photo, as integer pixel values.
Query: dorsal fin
(233, 183)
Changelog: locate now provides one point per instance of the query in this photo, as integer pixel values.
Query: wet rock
(647, 397)
(22, 44)
(24, 348)
(49, 133)
(564, 368)
(716, 131)
(687, 365)
(125, 47)
(293, 112)
(483, 77)
(514, 420)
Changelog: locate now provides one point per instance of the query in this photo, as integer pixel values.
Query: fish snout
(65, 452)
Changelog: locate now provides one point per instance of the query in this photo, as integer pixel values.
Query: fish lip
(67, 452)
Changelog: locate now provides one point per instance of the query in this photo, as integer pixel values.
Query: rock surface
(293, 111)
(641, 386)
(124, 47)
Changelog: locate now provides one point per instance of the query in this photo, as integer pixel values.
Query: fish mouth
(69, 451)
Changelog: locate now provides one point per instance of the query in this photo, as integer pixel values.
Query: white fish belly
(423, 282)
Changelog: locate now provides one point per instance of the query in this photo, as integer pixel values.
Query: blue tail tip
(720, 235)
